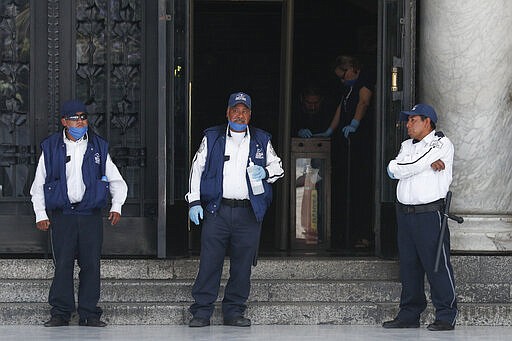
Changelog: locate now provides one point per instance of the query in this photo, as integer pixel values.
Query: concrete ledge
(268, 268)
(482, 234)
(36, 291)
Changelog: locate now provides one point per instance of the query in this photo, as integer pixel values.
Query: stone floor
(258, 332)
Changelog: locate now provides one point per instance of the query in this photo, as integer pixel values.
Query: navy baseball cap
(239, 97)
(420, 109)
(70, 108)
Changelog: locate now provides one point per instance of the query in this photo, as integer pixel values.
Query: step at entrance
(284, 291)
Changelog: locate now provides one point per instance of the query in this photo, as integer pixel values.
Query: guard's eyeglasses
(81, 117)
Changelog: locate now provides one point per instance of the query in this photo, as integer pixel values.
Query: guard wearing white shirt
(232, 213)
(72, 181)
(424, 170)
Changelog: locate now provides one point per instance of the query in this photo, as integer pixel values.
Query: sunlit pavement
(257, 332)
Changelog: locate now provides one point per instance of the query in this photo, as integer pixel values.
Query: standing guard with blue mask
(73, 178)
(423, 168)
(229, 159)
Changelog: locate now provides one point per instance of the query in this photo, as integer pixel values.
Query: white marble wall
(465, 72)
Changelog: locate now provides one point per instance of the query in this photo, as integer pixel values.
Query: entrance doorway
(322, 32)
(238, 46)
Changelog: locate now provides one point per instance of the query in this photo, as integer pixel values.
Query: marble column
(465, 72)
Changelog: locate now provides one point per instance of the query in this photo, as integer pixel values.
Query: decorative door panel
(18, 154)
(98, 51)
(112, 79)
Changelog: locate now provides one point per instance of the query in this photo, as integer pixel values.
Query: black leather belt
(74, 205)
(236, 203)
(434, 206)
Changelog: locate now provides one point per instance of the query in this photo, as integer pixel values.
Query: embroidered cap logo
(241, 97)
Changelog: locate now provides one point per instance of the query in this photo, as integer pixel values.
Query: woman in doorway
(353, 156)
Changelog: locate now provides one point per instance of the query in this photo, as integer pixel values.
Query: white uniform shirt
(418, 182)
(234, 184)
(75, 151)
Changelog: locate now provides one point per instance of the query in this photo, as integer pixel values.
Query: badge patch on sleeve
(271, 150)
(436, 144)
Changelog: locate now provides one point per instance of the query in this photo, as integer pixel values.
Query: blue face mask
(237, 126)
(76, 132)
(350, 82)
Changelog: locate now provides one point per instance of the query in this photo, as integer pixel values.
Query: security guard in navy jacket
(72, 181)
(424, 170)
(219, 182)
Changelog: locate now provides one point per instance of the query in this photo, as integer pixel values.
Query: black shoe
(94, 322)
(396, 323)
(238, 322)
(56, 321)
(198, 322)
(439, 325)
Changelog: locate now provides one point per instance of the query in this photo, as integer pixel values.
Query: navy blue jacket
(212, 177)
(93, 168)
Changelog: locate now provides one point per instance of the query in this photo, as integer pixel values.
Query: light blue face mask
(76, 132)
(350, 82)
(237, 126)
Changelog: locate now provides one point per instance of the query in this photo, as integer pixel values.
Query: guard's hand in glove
(258, 172)
(194, 213)
(305, 133)
(354, 124)
(326, 133)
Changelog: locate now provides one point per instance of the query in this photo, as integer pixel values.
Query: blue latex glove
(354, 124)
(326, 133)
(391, 175)
(305, 133)
(194, 213)
(258, 172)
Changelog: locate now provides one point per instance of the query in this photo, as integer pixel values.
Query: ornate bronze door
(18, 153)
(114, 73)
(104, 53)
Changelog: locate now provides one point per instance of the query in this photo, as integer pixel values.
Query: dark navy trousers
(237, 230)
(81, 237)
(418, 235)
